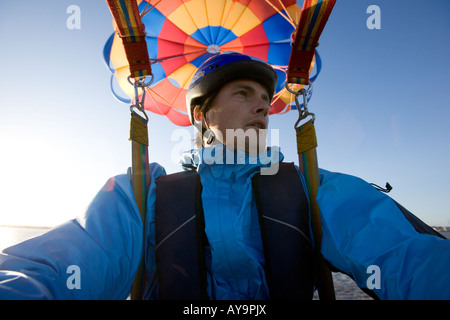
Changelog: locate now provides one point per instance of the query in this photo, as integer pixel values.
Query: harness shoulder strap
(285, 227)
(180, 241)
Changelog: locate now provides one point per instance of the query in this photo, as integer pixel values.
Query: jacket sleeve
(93, 257)
(366, 236)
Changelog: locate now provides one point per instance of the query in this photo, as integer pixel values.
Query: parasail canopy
(182, 34)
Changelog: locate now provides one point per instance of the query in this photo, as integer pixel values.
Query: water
(13, 235)
(346, 289)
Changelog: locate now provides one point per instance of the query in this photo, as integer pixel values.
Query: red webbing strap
(313, 18)
(132, 31)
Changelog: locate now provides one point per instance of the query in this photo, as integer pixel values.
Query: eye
(242, 93)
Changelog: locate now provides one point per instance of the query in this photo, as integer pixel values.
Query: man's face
(245, 105)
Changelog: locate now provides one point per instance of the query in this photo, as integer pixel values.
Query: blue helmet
(220, 69)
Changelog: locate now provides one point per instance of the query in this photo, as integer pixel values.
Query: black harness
(285, 228)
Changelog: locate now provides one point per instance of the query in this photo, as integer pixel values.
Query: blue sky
(381, 102)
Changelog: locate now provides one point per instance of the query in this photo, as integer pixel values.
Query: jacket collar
(218, 155)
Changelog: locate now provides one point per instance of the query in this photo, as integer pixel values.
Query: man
(222, 230)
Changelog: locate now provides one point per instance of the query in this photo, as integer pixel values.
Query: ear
(198, 115)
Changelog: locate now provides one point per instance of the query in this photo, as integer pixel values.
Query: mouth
(257, 124)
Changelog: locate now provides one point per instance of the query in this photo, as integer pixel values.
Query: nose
(262, 106)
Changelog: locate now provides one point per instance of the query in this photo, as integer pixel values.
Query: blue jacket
(363, 229)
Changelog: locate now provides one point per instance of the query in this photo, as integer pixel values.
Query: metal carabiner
(303, 111)
(139, 103)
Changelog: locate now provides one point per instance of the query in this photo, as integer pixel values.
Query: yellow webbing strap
(307, 156)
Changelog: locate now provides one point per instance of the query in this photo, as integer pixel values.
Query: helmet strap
(211, 136)
(211, 139)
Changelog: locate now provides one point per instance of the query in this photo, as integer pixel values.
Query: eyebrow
(249, 88)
